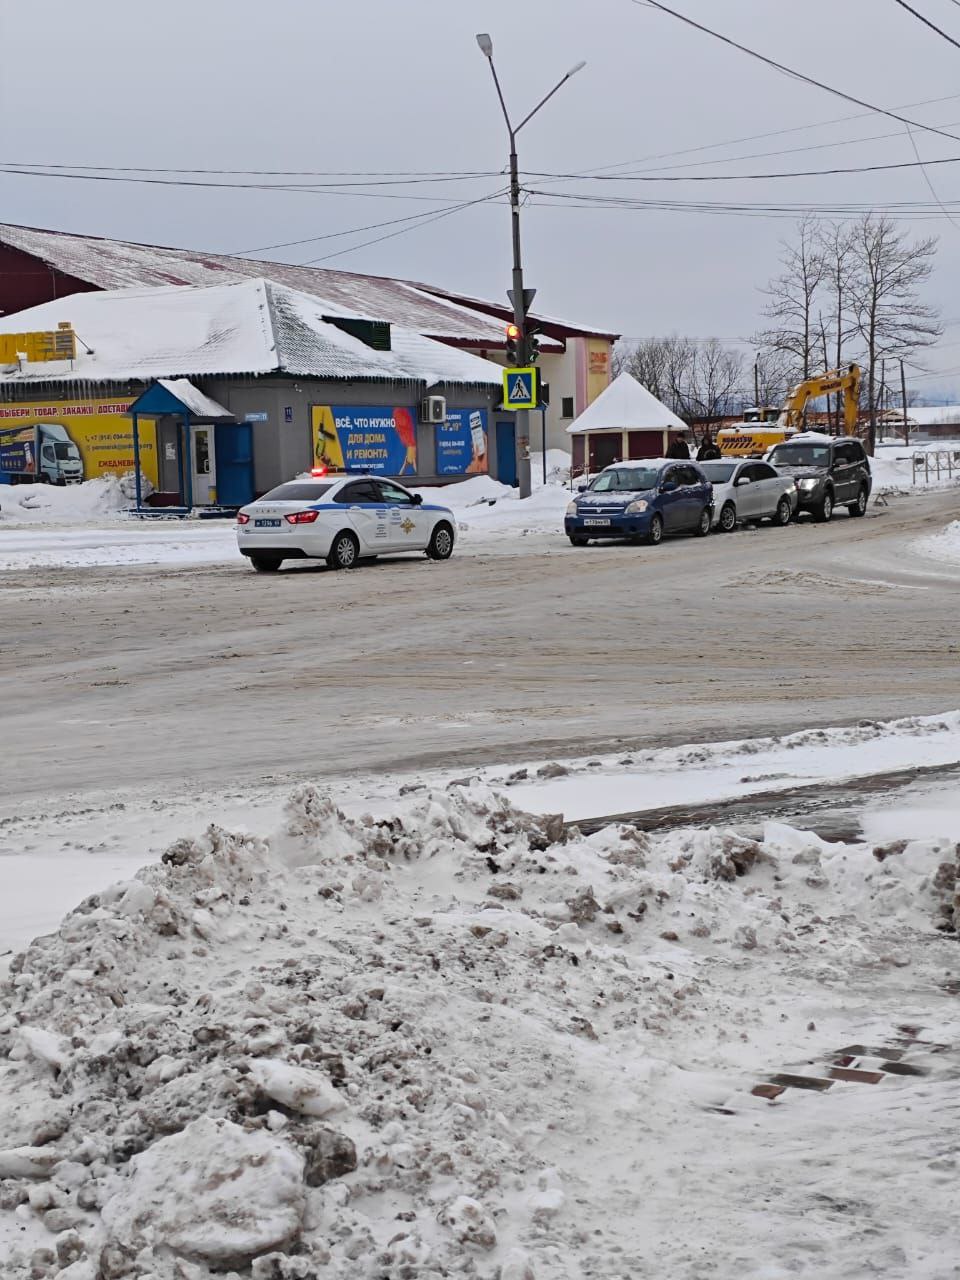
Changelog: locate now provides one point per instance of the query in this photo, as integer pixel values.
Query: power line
(774, 133)
(927, 179)
(747, 177)
(788, 151)
(333, 235)
(789, 71)
(927, 23)
(307, 189)
(425, 175)
(915, 211)
(445, 213)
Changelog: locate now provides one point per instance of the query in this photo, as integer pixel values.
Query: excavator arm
(826, 384)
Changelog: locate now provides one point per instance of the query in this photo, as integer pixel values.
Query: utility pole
(519, 297)
(756, 380)
(883, 393)
(903, 392)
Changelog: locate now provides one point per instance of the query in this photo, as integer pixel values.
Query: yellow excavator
(752, 438)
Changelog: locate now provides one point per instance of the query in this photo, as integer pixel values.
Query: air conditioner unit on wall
(433, 409)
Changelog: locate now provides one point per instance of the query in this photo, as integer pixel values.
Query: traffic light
(533, 342)
(514, 342)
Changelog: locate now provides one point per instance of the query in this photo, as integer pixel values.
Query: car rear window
(296, 491)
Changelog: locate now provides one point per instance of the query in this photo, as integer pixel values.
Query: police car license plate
(266, 524)
(596, 521)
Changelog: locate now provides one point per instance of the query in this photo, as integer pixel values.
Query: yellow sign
(520, 388)
(99, 429)
(54, 344)
(598, 367)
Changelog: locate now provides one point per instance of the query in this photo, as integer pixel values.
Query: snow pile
(423, 1046)
(483, 505)
(893, 468)
(944, 545)
(70, 504)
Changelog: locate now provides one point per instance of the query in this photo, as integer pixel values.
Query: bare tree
(773, 375)
(716, 380)
(892, 321)
(792, 304)
(838, 324)
(695, 377)
(647, 362)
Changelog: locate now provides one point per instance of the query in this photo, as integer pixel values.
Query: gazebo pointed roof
(626, 405)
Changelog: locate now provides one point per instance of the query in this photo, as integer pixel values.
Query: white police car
(341, 519)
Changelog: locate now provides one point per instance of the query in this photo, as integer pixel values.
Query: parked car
(341, 519)
(744, 489)
(830, 472)
(641, 500)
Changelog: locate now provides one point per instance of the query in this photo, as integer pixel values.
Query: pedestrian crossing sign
(520, 388)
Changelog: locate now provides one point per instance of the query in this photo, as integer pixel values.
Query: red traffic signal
(514, 344)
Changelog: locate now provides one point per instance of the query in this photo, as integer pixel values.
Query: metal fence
(936, 464)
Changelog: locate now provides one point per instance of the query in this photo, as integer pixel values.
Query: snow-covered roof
(930, 415)
(251, 327)
(626, 405)
(193, 399)
(122, 264)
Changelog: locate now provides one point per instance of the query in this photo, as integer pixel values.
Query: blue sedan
(641, 501)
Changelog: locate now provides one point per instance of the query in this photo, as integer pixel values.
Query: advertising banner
(462, 443)
(365, 438)
(99, 429)
(598, 367)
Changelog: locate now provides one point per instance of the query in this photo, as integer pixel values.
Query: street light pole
(520, 299)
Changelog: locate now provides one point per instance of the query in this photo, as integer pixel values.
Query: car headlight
(635, 508)
(808, 484)
(572, 508)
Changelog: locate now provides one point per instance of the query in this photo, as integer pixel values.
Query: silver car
(746, 490)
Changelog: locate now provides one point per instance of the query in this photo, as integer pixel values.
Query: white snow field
(449, 1038)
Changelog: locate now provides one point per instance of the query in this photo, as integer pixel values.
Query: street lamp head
(486, 44)
(573, 70)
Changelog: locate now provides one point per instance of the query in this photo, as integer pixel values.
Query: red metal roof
(122, 264)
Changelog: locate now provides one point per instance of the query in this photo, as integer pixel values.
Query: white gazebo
(625, 421)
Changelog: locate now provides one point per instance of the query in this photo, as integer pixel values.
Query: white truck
(39, 452)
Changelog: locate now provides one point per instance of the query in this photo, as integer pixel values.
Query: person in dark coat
(708, 451)
(678, 448)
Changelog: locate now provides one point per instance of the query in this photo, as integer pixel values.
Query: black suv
(829, 473)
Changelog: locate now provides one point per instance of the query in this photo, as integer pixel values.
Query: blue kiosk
(180, 402)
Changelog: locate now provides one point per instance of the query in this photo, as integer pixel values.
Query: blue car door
(692, 501)
(670, 499)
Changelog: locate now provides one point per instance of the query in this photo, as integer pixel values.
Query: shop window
(566, 407)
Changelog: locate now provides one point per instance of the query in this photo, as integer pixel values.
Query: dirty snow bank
(944, 545)
(462, 1041)
(71, 504)
(483, 505)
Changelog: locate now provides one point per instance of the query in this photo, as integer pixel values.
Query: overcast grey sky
(380, 85)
